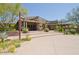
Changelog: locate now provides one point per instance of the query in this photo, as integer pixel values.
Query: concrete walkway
(50, 43)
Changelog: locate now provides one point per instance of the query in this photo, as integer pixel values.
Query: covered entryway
(32, 26)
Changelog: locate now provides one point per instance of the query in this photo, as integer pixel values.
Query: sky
(50, 11)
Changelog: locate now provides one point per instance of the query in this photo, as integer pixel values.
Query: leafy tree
(73, 16)
(9, 13)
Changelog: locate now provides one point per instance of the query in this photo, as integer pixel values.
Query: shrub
(72, 31)
(10, 45)
(77, 30)
(10, 42)
(17, 43)
(46, 30)
(13, 30)
(1, 49)
(28, 37)
(3, 35)
(25, 30)
(60, 29)
(23, 39)
(11, 48)
(66, 31)
(14, 42)
(3, 45)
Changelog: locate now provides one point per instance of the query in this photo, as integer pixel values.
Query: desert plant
(14, 42)
(11, 48)
(3, 45)
(46, 30)
(23, 39)
(60, 29)
(17, 43)
(24, 30)
(66, 31)
(3, 35)
(72, 31)
(56, 29)
(13, 30)
(10, 45)
(1, 49)
(28, 37)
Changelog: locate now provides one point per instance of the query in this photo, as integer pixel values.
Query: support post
(19, 25)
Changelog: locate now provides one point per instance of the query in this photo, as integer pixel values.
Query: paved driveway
(50, 43)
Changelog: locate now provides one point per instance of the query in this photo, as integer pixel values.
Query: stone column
(26, 24)
(39, 26)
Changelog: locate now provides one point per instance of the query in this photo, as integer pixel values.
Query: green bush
(10, 45)
(25, 30)
(24, 39)
(3, 35)
(77, 30)
(46, 30)
(11, 48)
(2, 29)
(3, 45)
(17, 43)
(72, 31)
(28, 37)
(66, 31)
(14, 42)
(13, 30)
(1, 49)
(60, 29)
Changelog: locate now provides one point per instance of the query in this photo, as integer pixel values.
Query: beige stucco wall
(39, 26)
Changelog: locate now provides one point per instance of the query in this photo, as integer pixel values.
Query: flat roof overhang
(32, 21)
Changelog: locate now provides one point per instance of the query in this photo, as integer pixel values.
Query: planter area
(9, 46)
(13, 33)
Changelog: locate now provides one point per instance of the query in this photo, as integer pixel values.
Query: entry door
(32, 26)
